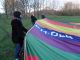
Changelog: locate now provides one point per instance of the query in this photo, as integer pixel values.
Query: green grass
(6, 45)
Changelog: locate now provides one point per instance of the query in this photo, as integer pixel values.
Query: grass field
(6, 45)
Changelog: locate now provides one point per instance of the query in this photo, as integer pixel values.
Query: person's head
(42, 16)
(17, 14)
(32, 15)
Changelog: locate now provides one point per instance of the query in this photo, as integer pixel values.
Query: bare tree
(8, 6)
(28, 6)
(71, 9)
(35, 5)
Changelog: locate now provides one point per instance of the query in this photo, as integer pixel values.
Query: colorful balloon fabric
(50, 40)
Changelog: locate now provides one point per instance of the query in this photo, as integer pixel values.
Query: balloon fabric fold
(50, 40)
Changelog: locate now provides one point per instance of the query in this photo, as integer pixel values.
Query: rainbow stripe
(50, 40)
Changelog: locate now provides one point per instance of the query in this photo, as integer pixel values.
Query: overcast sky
(59, 3)
(1, 7)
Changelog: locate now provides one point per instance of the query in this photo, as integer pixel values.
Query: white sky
(59, 3)
(1, 6)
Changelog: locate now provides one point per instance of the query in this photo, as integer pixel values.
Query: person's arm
(22, 27)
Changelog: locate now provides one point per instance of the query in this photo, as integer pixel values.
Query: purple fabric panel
(64, 45)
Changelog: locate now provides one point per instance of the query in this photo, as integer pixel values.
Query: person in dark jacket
(33, 19)
(18, 33)
(43, 16)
